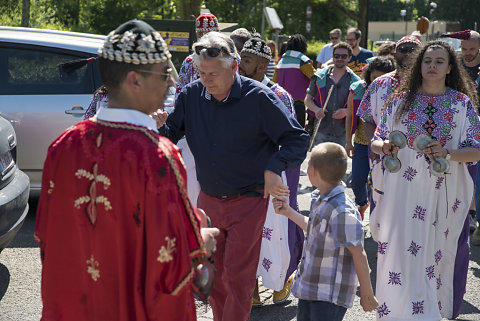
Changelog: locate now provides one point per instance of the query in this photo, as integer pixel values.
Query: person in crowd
(326, 52)
(387, 49)
(423, 227)
(333, 258)
(358, 151)
(294, 71)
(239, 37)
(372, 103)
(242, 137)
(188, 71)
(118, 236)
(338, 78)
(470, 58)
(273, 62)
(255, 57)
(283, 49)
(359, 55)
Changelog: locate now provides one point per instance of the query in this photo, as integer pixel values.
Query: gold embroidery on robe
(92, 199)
(52, 185)
(165, 254)
(92, 268)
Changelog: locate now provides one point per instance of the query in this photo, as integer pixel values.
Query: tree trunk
(25, 13)
(362, 21)
(189, 9)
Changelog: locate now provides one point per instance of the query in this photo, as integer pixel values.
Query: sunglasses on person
(334, 38)
(211, 52)
(338, 56)
(405, 50)
(165, 77)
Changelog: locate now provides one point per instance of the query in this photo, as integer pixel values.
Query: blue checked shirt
(326, 271)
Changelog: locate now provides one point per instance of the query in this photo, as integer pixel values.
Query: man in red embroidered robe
(116, 229)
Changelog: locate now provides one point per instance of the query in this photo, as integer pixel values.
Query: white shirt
(131, 116)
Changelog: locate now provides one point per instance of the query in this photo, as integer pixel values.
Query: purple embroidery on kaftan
(267, 233)
(455, 205)
(438, 256)
(417, 307)
(266, 263)
(410, 173)
(434, 223)
(439, 282)
(439, 182)
(446, 233)
(394, 278)
(430, 270)
(414, 248)
(383, 310)
(419, 213)
(440, 305)
(382, 246)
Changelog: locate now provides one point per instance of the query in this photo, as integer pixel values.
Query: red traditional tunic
(116, 230)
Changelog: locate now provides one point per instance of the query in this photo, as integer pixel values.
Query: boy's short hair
(330, 160)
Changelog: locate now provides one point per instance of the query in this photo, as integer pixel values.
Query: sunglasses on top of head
(337, 56)
(211, 52)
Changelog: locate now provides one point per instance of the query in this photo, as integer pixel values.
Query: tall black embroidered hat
(135, 42)
(258, 47)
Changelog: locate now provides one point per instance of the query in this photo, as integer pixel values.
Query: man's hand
(340, 113)
(320, 113)
(208, 235)
(160, 117)
(274, 186)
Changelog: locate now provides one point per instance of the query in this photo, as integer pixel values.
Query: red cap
(464, 35)
(408, 39)
(206, 23)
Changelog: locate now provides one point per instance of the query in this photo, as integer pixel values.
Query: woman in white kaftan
(420, 223)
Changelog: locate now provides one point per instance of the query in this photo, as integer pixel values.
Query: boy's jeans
(319, 311)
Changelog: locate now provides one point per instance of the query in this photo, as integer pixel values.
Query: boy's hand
(368, 302)
(281, 206)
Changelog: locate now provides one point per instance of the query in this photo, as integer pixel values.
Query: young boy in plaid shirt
(333, 254)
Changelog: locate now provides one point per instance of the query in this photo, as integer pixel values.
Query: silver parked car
(14, 187)
(38, 98)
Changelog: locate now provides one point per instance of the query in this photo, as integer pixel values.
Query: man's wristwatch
(448, 156)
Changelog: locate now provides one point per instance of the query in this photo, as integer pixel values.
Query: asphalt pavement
(20, 271)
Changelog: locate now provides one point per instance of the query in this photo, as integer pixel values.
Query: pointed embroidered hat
(408, 39)
(206, 23)
(135, 42)
(258, 47)
(463, 35)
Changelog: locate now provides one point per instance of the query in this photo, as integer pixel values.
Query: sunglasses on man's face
(211, 52)
(405, 50)
(338, 56)
(334, 38)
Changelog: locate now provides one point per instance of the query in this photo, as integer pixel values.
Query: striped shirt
(326, 271)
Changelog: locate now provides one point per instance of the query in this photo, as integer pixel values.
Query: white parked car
(36, 96)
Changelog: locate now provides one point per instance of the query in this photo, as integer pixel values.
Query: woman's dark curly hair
(384, 64)
(457, 79)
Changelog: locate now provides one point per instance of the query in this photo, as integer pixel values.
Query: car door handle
(76, 110)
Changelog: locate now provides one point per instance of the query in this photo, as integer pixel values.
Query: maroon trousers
(240, 220)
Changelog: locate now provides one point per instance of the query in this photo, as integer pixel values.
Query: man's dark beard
(474, 57)
(251, 75)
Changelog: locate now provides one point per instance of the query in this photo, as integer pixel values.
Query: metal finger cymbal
(391, 163)
(421, 142)
(439, 167)
(398, 139)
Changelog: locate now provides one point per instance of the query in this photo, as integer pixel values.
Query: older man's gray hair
(215, 40)
(239, 37)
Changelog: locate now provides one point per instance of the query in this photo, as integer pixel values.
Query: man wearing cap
(242, 137)
(117, 233)
(256, 55)
(188, 71)
(371, 106)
